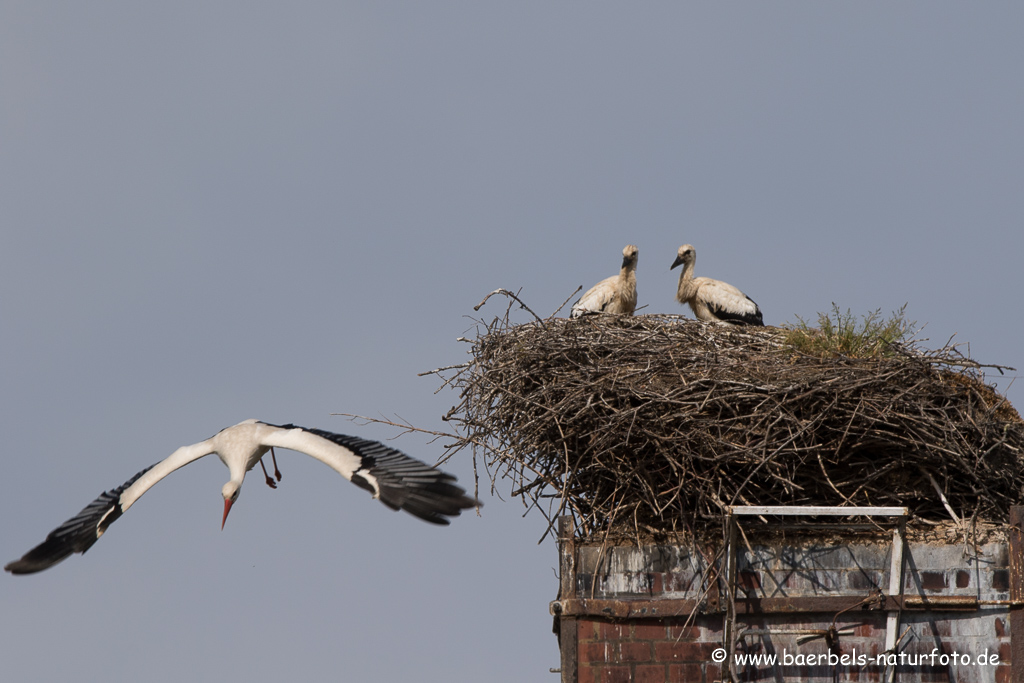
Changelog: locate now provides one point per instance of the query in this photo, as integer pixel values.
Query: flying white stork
(616, 294)
(400, 482)
(713, 300)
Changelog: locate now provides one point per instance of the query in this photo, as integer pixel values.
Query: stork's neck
(686, 287)
(239, 461)
(628, 270)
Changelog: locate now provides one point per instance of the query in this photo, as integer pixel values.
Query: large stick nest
(655, 424)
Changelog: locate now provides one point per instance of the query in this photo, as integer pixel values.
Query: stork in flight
(615, 294)
(712, 300)
(400, 482)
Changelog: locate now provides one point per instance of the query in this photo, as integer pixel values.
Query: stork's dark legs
(277, 472)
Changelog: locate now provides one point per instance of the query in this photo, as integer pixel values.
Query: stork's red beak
(227, 508)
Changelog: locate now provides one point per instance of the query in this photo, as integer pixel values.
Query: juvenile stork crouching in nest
(616, 294)
(713, 300)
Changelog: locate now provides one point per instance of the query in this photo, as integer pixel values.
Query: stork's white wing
(399, 481)
(79, 533)
(597, 299)
(728, 303)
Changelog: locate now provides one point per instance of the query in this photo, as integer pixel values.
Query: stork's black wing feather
(77, 534)
(405, 483)
(743, 318)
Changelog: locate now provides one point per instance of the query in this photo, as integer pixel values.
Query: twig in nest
(942, 496)
(510, 295)
(564, 302)
(647, 424)
(435, 371)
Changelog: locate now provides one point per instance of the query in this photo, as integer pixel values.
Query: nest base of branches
(650, 427)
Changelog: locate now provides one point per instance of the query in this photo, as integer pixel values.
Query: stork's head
(230, 493)
(686, 255)
(629, 256)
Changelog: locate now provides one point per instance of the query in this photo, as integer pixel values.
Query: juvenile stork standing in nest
(616, 294)
(713, 300)
(398, 481)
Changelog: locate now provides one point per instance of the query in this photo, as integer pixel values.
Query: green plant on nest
(841, 334)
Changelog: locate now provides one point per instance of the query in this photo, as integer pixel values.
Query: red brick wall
(647, 651)
(668, 651)
(644, 649)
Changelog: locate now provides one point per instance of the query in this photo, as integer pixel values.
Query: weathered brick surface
(749, 580)
(651, 673)
(684, 651)
(863, 580)
(683, 632)
(680, 649)
(689, 673)
(599, 652)
(588, 629)
(635, 652)
(614, 631)
(650, 630)
(934, 581)
(616, 674)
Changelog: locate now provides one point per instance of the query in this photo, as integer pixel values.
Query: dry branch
(656, 422)
(651, 425)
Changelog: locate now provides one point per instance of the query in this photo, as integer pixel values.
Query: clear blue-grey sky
(216, 211)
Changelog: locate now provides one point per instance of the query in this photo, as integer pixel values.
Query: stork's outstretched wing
(77, 534)
(399, 481)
